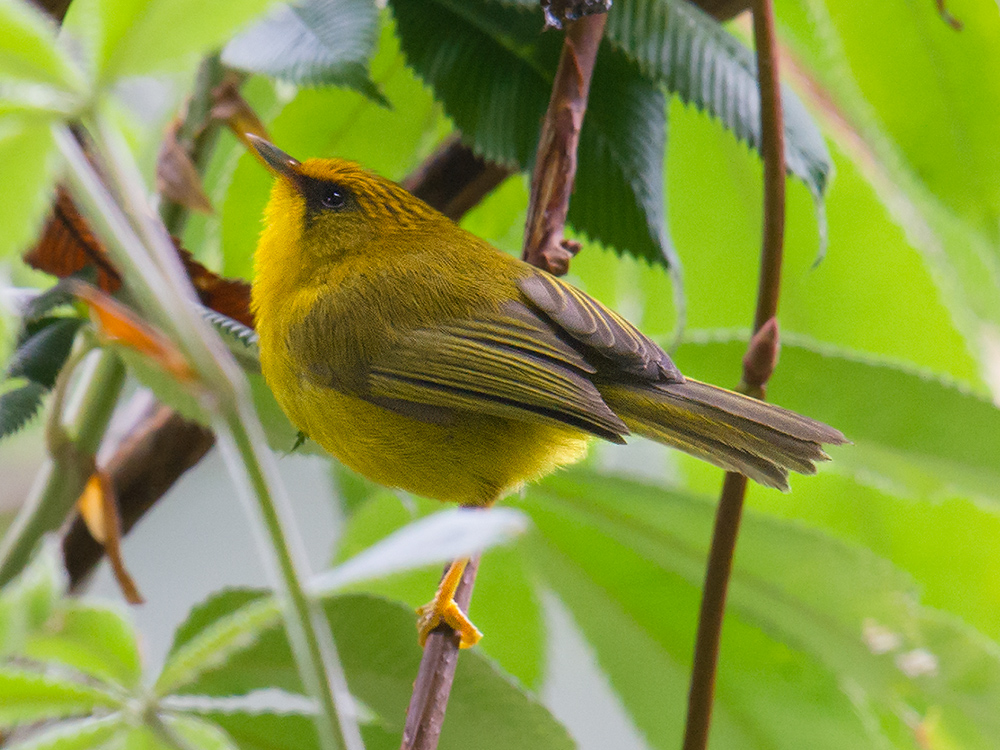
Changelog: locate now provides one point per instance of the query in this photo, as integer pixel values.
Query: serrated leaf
(380, 654)
(29, 599)
(200, 734)
(29, 697)
(85, 734)
(28, 49)
(216, 643)
(641, 550)
(499, 53)
(241, 340)
(28, 162)
(40, 357)
(139, 37)
(94, 640)
(677, 43)
(444, 536)
(18, 406)
(266, 731)
(312, 43)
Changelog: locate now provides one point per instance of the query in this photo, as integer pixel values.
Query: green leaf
(197, 733)
(379, 651)
(499, 52)
(28, 49)
(18, 406)
(216, 643)
(266, 731)
(678, 44)
(953, 445)
(28, 162)
(97, 641)
(820, 601)
(138, 37)
(220, 604)
(28, 601)
(444, 536)
(312, 43)
(40, 357)
(84, 734)
(29, 697)
(165, 387)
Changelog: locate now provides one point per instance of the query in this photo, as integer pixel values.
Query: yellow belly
(475, 459)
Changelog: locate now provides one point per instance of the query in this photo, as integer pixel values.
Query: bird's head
(331, 208)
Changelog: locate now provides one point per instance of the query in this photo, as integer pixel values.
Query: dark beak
(276, 160)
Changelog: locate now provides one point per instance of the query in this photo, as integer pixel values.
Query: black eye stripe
(325, 195)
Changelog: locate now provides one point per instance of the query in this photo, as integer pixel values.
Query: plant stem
(63, 476)
(762, 350)
(154, 273)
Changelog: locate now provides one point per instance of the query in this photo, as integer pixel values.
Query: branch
(425, 714)
(757, 368)
(544, 246)
(555, 164)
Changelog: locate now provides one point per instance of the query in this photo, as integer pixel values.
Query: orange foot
(443, 609)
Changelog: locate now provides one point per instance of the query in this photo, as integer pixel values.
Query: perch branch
(757, 368)
(552, 183)
(555, 164)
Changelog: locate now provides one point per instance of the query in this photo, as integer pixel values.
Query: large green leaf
(499, 53)
(29, 697)
(28, 50)
(266, 730)
(378, 647)
(677, 43)
(29, 600)
(313, 43)
(822, 606)
(925, 434)
(83, 734)
(28, 163)
(137, 37)
(96, 641)
(915, 111)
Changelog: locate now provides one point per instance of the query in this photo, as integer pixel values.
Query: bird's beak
(276, 160)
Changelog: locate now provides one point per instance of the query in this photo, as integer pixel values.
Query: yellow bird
(425, 359)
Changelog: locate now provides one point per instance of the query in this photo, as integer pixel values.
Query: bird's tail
(732, 431)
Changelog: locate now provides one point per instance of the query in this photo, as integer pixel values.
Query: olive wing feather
(602, 330)
(508, 364)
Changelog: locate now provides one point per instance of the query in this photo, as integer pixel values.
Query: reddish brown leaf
(230, 107)
(177, 178)
(67, 246)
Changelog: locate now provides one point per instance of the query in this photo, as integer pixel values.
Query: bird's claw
(436, 612)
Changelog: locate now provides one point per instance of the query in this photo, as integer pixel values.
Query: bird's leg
(442, 608)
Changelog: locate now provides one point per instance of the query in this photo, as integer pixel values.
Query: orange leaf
(116, 323)
(99, 510)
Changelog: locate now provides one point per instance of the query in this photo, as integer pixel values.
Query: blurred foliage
(863, 608)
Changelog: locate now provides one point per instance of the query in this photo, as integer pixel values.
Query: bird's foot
(443, 609)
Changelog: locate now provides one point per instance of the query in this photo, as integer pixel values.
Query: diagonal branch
(552, 183)
(757, 368)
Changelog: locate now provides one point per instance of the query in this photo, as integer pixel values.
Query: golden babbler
(425, 359)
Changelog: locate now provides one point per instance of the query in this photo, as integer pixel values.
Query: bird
(425, 359)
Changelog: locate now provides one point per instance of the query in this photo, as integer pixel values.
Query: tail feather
(730, 430)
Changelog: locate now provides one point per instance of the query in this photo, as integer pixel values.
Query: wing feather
(592, 324)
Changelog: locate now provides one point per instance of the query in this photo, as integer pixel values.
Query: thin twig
(555, 164)
(552, 183)
(757, 368)
(425, 714)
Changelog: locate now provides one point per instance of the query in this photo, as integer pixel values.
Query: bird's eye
(333, 197)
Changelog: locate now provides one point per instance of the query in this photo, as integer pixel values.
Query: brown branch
(555, 164)
(757, 368)
(425, 714)
(552, 183)
(454, 179)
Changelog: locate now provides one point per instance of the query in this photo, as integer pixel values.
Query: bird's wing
(601, 330)
(509, 364)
